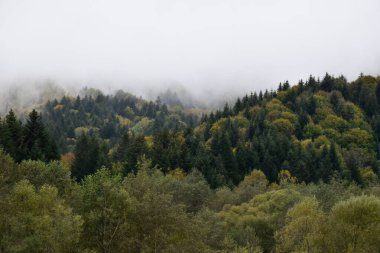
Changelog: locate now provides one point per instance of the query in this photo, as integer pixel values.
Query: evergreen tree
(238, 106)
(135, 150)
(12, 139)
(286, 86)
(327, 83)
(122, 148)
(86, 157)
(335, 162)
(37, 142)
(280, 87)
(34, 136)
(226, 110)
(325, 167)
(160, 150)
(228, 158)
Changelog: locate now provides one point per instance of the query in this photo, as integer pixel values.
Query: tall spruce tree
(38, 144)
(12, 137)
(86, 159)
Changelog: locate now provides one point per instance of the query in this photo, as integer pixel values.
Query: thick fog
(209, 47)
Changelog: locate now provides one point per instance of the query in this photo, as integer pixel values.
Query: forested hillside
(108, 117)
(291, 170)
(315, 129)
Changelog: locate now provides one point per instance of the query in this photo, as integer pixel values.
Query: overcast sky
(219, 45)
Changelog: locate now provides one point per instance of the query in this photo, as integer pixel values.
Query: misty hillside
(110, 116)
(316, 129)
(157, 178)
(161, 126)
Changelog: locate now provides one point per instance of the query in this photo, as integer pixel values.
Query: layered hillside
(316, 129)
(292, 170)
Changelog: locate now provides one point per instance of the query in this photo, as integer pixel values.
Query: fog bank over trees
(209, 47)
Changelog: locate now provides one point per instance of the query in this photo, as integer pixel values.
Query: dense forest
(316, 130)
(290, 170)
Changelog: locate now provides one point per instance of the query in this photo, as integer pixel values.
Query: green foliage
(38, 221)
(158, 223)
(253, 184)
(90, 155)
(12, 136)
(284, 126)
(295, 170)
(356, 223)
(145, 125)
(261, 216)
(312, 131)
(43, 210)
(359, 138)
(29, 141)
(334, 122)
(303, 231)
(289, 171)
(292, 128)
(53, 173)
(193, 191)
(106, 209)
(110, 116)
